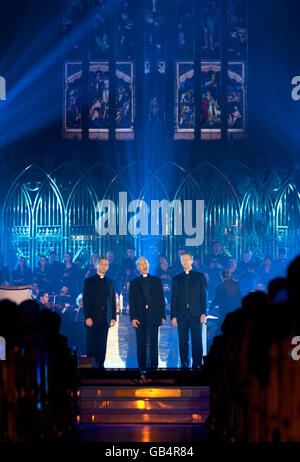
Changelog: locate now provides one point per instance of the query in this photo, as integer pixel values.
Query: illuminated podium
(121, 345)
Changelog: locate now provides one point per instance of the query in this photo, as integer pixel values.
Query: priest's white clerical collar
(188, 272)
(145, 275)
(102, 277)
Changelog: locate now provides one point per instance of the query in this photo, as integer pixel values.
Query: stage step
(136, 405)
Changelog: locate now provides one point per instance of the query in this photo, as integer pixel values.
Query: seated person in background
(78, 310)
(245, 261)
(77, 334)
(35, 291)
(79, 272)
(40, 274)
(281, 264)
(213, 277)
(177, 267)
(113, 269)
(265, 272)
(218, 255)
(228, 297)
(69, 276)
(43, 299)
(55, 271)
(129, 260)
(233, 268)
(91, 269)
(248, 279)
(22, 275)
(4, 273)
(197, 264)
(124, 279)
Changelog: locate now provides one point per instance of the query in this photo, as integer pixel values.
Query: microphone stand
(147, 338)
(148, 362)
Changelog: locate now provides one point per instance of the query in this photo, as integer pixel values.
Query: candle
(121, 303)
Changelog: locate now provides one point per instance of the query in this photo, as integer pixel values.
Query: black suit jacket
(91, 299)
(228, 296)
(197, 295)
(137, 301)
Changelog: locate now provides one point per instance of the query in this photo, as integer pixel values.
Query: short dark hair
(226, 273)
(188, 253)
(41, 294)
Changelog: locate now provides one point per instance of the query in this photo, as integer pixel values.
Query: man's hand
(174, 322)
(112, 323)
(202, 318)
(89, 322)
(135, 323)
(163, 321)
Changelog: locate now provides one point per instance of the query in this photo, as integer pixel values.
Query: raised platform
(168, 397)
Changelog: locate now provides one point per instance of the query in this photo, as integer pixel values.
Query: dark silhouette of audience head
(278, 290)
(293, 279)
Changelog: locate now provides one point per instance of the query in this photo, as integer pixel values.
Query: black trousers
(186, 324)
(141, 340)
(96, 340)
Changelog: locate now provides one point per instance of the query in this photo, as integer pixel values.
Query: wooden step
(146, 404)
(144, 392)
(129, 416)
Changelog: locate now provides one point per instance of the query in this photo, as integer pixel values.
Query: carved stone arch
(223, 219)
(81, 217)
(100, 176)
(287, 217)
(108, 184)
(49, 220)
(64, 176)
(171, 175)
(153, 192)
(17, 218)
(240, 176)
(188, 190)
(257, 220)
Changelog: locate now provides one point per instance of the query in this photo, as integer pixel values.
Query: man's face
(186, 261)
(130, 253)
(102, 266)
(43, 261)
(45, 299)
(163, 261)
(197, 263)
(95, 258)
(247, 256)
(52, 258)
(64, 290)
(143, 266)
(217, 248)
(68, 258)
(22, 261)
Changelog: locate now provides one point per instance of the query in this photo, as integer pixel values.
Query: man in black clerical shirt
(147, 313)
(188, 310)
(99, 305)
